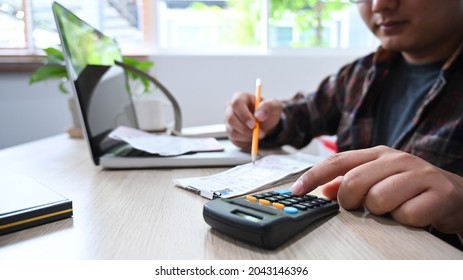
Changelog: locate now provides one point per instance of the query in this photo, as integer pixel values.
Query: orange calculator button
(251, 198)
(264, 201)
(278, 205)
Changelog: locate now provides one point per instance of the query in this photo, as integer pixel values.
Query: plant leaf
(47, 72)
(54, 56)
(62, 86)
(143, 65)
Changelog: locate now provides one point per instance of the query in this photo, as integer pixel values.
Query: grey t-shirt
(405, 89)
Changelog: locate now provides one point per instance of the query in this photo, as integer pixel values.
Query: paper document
(213, 130)
(267, 172)
(164, 145)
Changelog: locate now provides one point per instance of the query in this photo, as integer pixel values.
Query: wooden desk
(140, 214)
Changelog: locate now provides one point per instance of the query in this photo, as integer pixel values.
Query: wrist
(272, 137)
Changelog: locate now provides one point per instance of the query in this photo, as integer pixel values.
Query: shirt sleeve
(306, 116)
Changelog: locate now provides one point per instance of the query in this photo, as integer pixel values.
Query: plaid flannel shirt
(345, 105)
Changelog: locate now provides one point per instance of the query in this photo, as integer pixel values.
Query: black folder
(25, 203)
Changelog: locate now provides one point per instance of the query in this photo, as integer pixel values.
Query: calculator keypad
(289, 203)
(267, 219)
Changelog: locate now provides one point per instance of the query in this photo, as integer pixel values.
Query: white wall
(30, 112)
(202, 84)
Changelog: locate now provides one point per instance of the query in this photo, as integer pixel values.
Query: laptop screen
(99, 85)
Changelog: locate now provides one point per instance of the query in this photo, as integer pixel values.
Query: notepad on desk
(217, 131)
(25, 203)
(267, 172)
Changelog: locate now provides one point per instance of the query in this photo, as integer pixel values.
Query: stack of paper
(163, 144)
(267, 172)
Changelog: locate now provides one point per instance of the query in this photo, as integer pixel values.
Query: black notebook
(25, 203)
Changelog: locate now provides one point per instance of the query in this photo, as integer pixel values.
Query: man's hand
(385, 180)
(240, 118)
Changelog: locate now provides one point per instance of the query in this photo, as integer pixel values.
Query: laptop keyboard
(134, 153)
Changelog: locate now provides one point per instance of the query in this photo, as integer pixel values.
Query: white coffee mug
(151, 114)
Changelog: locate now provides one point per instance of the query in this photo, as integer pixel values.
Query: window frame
(29, 59)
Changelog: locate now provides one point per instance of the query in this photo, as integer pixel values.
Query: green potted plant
(54, 68)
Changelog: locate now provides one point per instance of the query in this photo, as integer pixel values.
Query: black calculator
(267, 219)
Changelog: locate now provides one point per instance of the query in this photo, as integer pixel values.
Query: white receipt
(267, 172)
(164, 145)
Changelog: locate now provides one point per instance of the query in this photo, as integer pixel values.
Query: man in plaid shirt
(397, 114)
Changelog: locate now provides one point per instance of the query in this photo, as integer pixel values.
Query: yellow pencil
(255, 132)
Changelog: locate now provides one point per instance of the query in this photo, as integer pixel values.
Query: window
(211, 24)
(264, 24)
(12, 29)
(228, 25)
(30, 25)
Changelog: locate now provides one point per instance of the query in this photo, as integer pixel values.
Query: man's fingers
(330, 189)
(239, 119)
(419, 211)
(243, 109)
(371, 179)
(332, 167)
(393, 191)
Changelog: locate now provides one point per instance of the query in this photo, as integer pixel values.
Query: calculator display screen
(248, 217)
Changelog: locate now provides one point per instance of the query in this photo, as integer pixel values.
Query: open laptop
(93, 64)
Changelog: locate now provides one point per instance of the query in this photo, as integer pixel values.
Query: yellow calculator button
(278, 205)
(264, 201)
(251, 198)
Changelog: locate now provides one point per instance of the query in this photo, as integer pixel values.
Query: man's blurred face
(414, 26)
